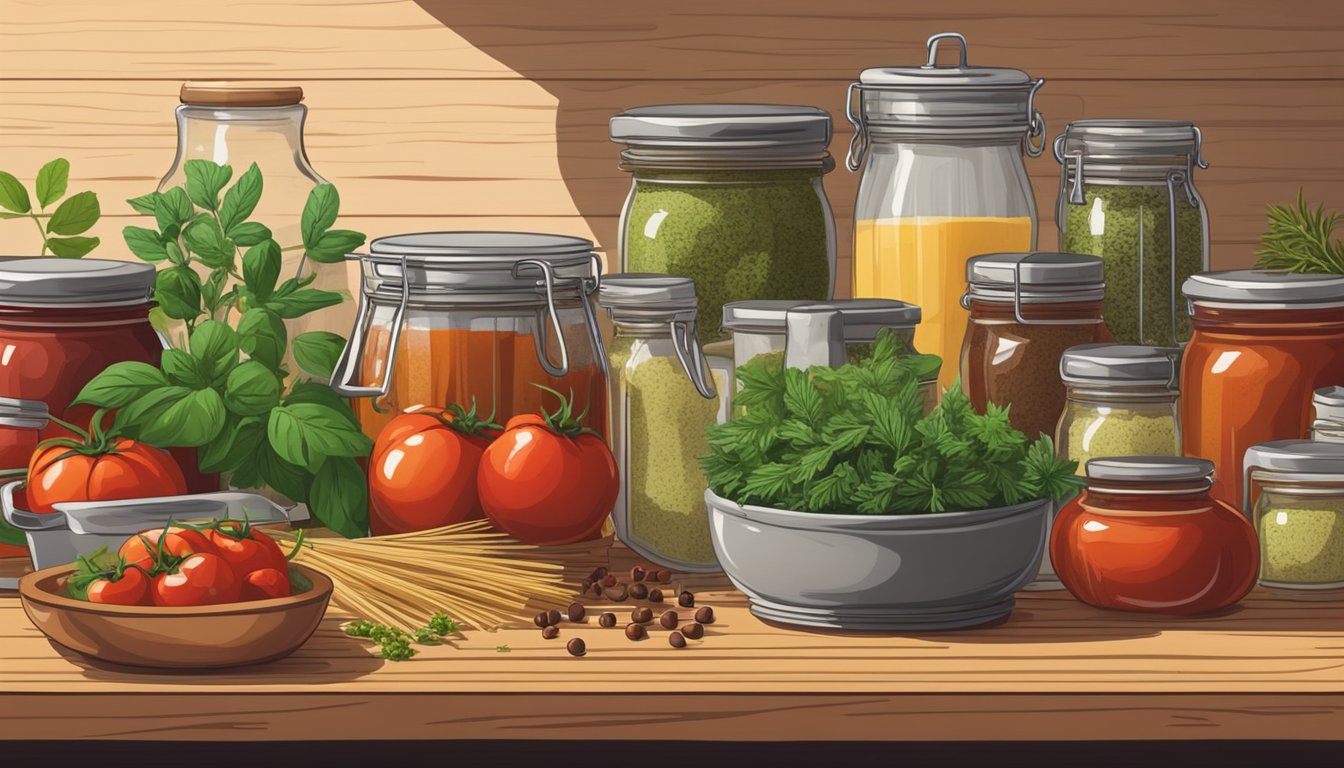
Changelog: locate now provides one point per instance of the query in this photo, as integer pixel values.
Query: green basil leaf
(144, 203)
(216, 346)
(144, 243)
(178, 292)
(132, 418)
(183, 369)
(175, 254)
(303, 301)
(261, 268)
(172, 209)
(339, 497)
(75, 215)
(205, 239)
(72, 247)
(192, 420)
(287, 288)
(240, 438)
(13, 196)
(321, 394)
(306, 433)
(204, 181)
(249, 233)
(252, 389)
(120, 384)
(52, 181)
(319, 213)
(332, 247)
(241, 199)
(317, 352)
(263, 337)
(298, 583)
(263, 467)
(16, 538)
(213, 289)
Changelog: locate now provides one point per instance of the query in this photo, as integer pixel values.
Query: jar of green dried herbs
(731, 196)
(1127, 194)
(1121, 401)
(1329, 424)
(1294, 493)
(665, 393)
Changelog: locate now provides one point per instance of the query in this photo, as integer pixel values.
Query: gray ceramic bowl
(906, 573)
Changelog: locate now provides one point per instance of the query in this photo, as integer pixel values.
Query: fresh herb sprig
(855, 440)
(224, 388)
(1300, 239)
(75, 216)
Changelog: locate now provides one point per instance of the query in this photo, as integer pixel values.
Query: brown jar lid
(226, 94)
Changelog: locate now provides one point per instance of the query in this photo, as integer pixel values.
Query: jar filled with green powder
(1295, 496)
(1127, 194)
(1329, 424)
(665, 393)
(1120, 401)
(731, 196)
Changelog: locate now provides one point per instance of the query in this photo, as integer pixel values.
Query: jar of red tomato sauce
(1146, 535)
(1263, 341)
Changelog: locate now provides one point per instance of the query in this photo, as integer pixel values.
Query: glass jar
(475, 317)
(1295, 495)
(1329, 424)
(943, 181)
(238, 124)
(1121, 401)
(730, 196)
(1146, 535)
(1263, 342)
(1026, 309)
(665, 392)
(1127, 194)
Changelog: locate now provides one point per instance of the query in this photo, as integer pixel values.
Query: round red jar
(1146, 536)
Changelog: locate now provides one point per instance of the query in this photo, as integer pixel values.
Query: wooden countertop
(1273, 669)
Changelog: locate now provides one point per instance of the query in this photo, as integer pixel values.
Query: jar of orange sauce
(1263, 342)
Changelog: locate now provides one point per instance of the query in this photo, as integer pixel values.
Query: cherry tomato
(264, 584)
(198, 580)
(422, 472)
(131, 589)
(124, 469)
(245, 548)
(143, 548)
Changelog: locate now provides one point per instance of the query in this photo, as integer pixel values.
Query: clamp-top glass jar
(943, 180)
(484, 317)
(1127, 194)
(1329, 424)
(665, 392)
(730, 196)
(1122, 401)
(1295, 495)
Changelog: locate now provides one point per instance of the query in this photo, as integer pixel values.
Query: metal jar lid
(1264, 289)
(1034, 278)
(946, 102)
(1120, 365)
(1129, 140)
(1329, 403)
(647, 297)
(17, 413)
(75, 283)
(1300, 460)
(724, 135)
(1156, 474)
(863, 318)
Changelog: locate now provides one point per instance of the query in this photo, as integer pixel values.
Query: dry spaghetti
(481, 577)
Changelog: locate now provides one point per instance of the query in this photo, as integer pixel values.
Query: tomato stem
(563, 420)
(467, 423)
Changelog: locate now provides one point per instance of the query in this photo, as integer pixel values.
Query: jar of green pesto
(1294, 493)
(665, 392)
(1127, 194)
(1329, 424)
(729, 195)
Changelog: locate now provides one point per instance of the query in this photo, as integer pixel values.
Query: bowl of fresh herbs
(836, 501)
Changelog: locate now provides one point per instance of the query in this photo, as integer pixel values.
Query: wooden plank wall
(493, 113)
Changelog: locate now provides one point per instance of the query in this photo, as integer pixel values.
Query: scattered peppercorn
(616, 594)
(636, 573)
(609, 581)
(596, 589)
(635, 631)
(550, 632)
(607, 619)
(599, 573)
(655, 595)
(693, 630)
(638, 591)
(664, 576)
(705, 615)
(686, 599)
(542, 619)
(576, 612)
(668, 620)
(641, 615)
(676, 640)
(552, 616)
(576, 647)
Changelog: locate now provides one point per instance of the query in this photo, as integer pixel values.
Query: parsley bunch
(856, 440)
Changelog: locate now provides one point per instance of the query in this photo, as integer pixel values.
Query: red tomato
(264, 584)
(197, 580)
(143, 548)
(245, 548)
(422, 472)
(131, 589)
(124, 470)
(545, 482)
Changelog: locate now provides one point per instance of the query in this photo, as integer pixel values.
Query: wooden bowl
(208, 636)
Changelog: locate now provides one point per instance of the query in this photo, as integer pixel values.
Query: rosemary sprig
(1299, 239)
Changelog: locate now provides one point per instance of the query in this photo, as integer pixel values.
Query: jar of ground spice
(1026, 310)
(665, 392)
(729, 195)
(1295, 496)
(1329, 424)
(1122, 401)
(1127, 194)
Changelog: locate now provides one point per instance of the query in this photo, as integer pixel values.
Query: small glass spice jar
(1127, 194)
(1122, 401)
(731, 196)
(1026, 309)
(665, 392)
(1146, 535)
(1295, 495)
(1329, 424)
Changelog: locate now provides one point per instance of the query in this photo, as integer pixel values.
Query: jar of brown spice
(1026, 309)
